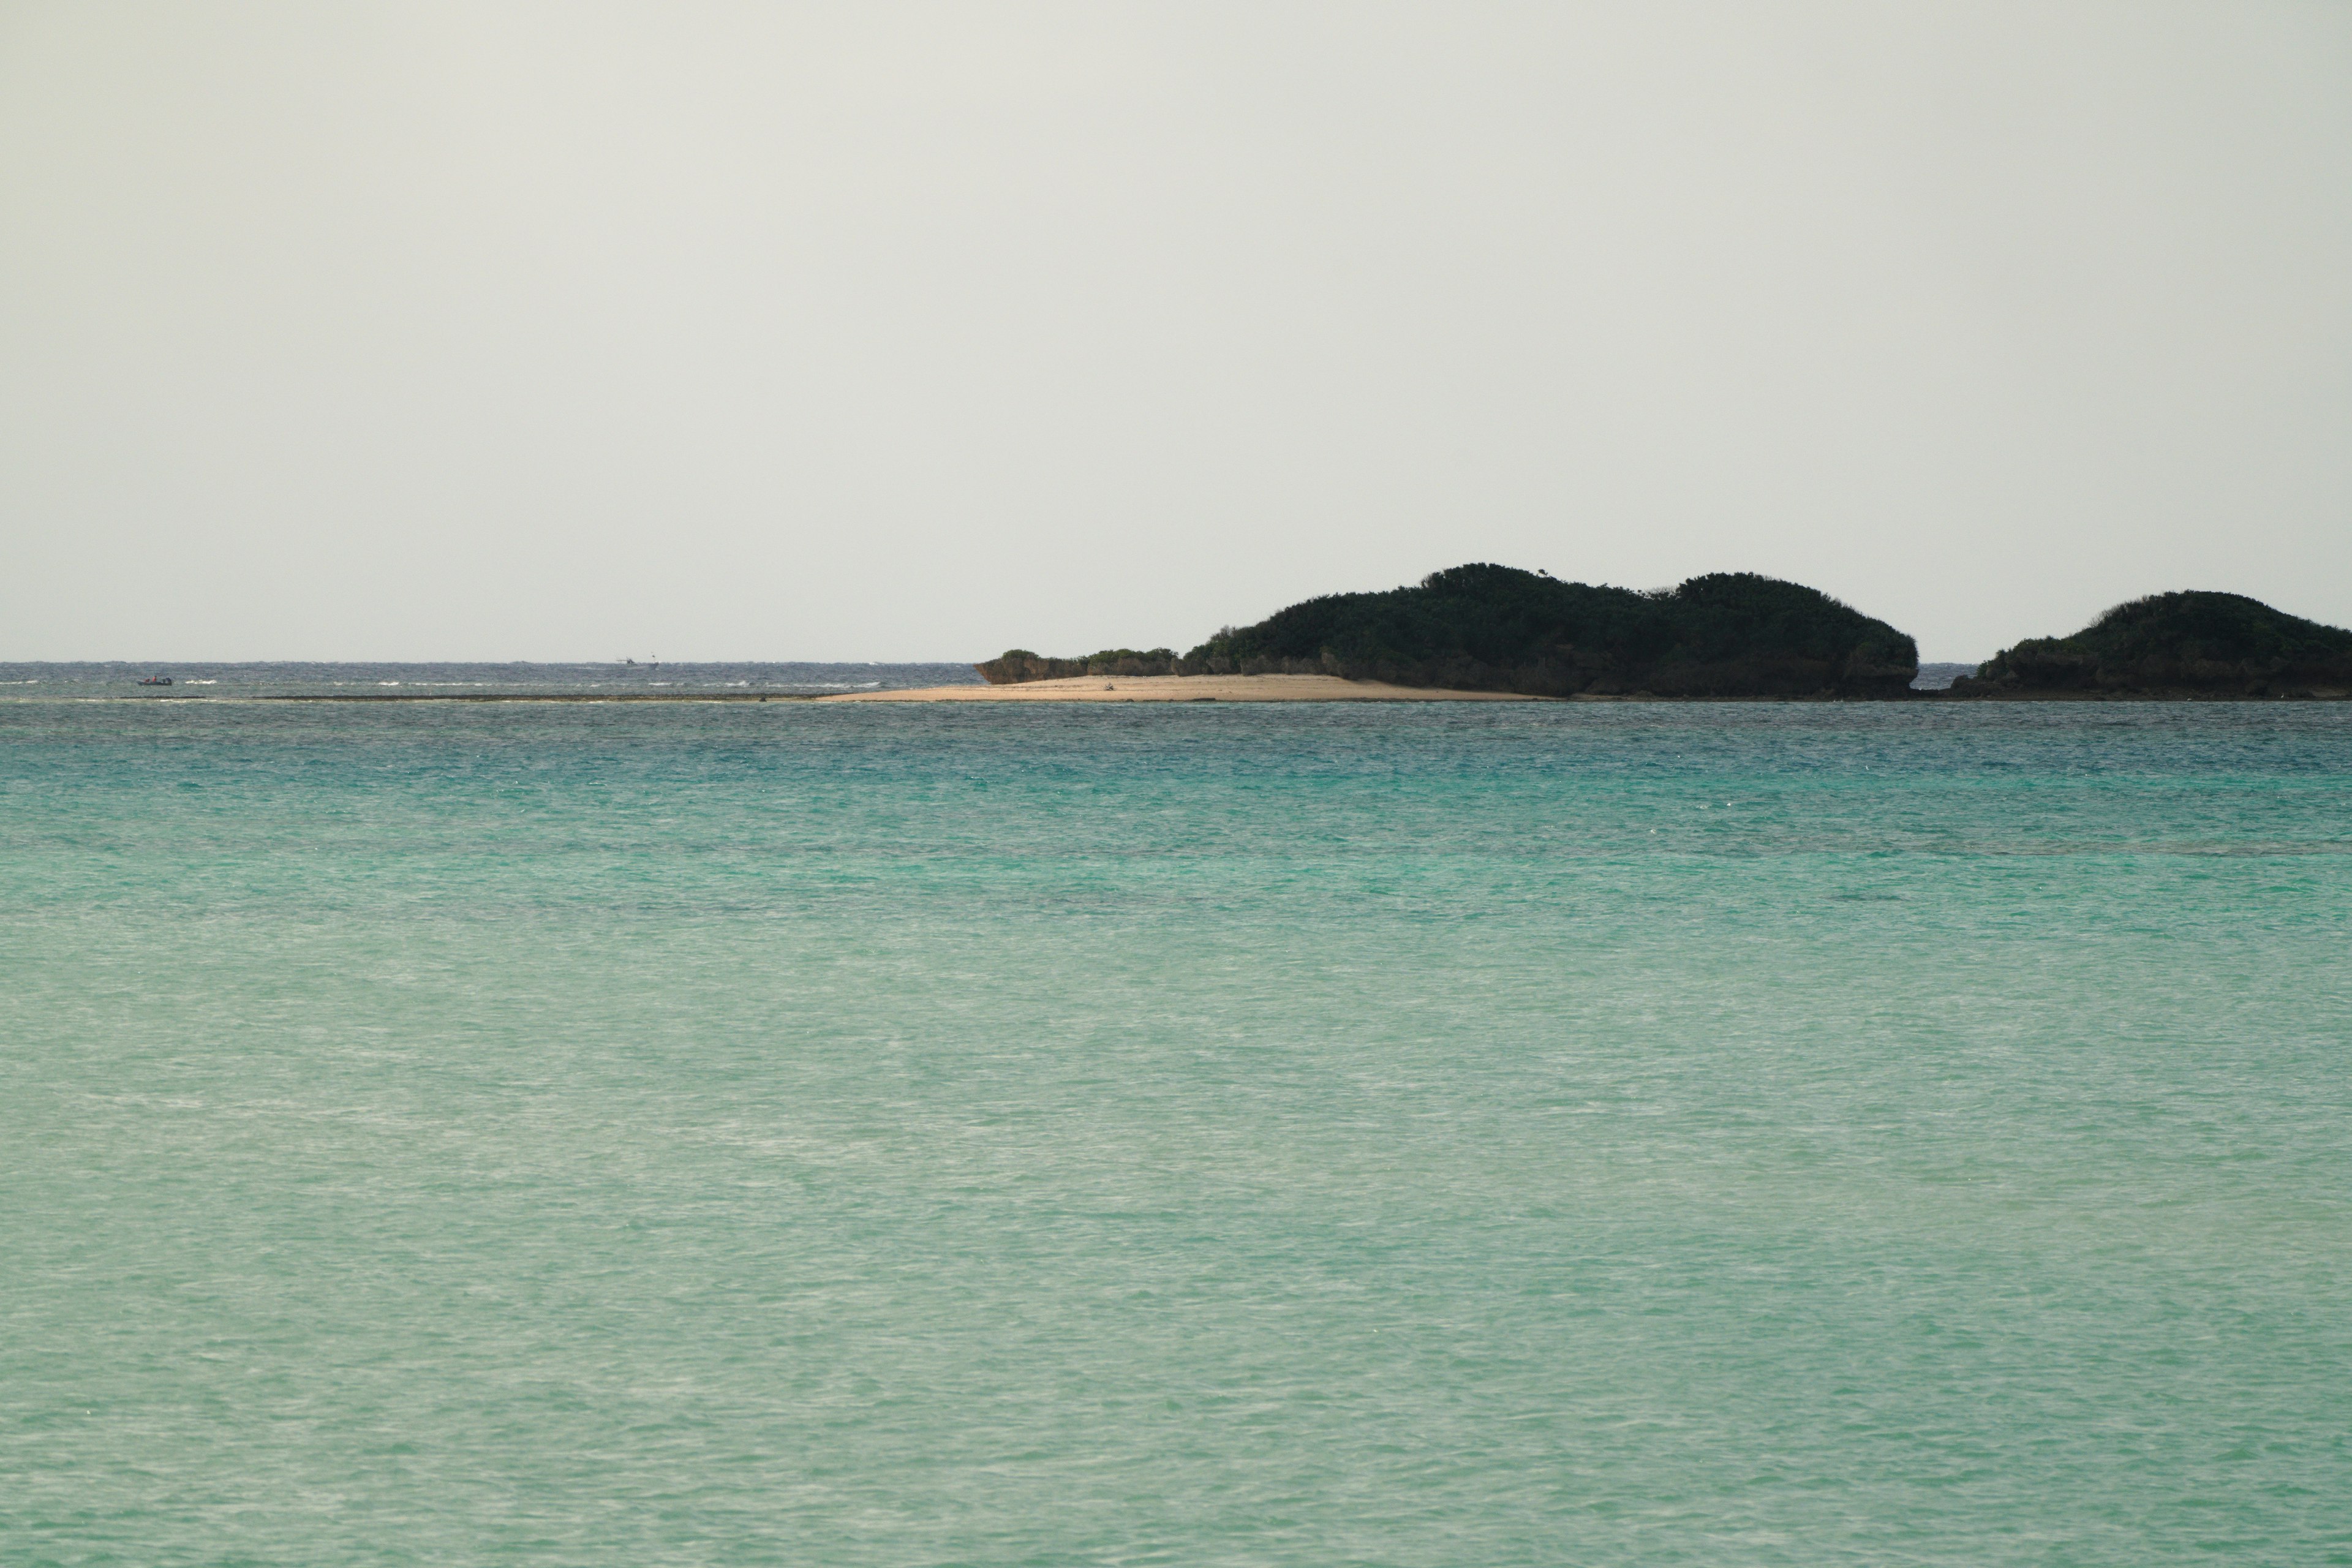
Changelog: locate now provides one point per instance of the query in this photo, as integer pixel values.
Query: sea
(614, 678)
(1479, 1135)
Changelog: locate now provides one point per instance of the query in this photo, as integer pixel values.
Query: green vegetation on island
(2177, 644)
(1496, 628)
(1018, 664)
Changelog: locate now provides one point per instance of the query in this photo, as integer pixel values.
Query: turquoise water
(1586, 1134)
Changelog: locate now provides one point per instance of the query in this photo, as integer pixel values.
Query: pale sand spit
(1183, 688)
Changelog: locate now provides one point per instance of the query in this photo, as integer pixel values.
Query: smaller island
(2179, 645)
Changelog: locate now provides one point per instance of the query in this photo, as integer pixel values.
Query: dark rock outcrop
(2177, 644)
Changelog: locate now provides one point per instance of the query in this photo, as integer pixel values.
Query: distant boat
(157, 680)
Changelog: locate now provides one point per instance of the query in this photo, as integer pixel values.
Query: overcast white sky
(888, 332)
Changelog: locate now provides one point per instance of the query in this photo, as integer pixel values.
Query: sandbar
(1183, 688)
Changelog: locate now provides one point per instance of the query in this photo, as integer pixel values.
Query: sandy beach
(1183, 688)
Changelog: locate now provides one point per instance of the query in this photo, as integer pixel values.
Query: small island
(2181, 645)
(1488, 628)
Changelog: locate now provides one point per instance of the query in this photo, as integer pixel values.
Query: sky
(885, 332)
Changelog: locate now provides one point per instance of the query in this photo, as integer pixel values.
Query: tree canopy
(1485, 626)
(1488, 627)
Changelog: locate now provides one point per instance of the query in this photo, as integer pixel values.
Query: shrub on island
(1016, 665)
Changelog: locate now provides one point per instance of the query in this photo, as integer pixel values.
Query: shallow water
(1611, 1134)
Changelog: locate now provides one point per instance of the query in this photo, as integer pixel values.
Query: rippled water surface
(180, 681)
(1495, 1135)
